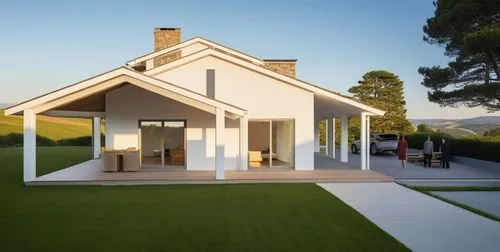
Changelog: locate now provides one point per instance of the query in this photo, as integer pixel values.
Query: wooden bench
(436, 159)
(415, 157)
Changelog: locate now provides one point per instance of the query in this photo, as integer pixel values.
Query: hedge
(478, 148)
(16, 140)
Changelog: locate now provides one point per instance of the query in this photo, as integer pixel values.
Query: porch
(91, 172)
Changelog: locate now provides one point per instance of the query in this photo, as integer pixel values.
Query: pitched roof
(136, 78)
(260, 69)
(192, 41)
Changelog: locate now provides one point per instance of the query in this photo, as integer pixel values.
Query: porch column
(368, 142)
(96, 137)
(363, 141)
(29, 145)
(220, 127)
(344, 139)
(244, 143)
(316, 135)
(331, 136)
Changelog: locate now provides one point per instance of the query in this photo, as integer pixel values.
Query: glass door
(162, 143)
(151, 143)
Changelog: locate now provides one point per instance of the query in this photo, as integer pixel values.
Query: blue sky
(47, 44)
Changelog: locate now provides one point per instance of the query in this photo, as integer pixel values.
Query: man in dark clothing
(445, 154)
(427, 151)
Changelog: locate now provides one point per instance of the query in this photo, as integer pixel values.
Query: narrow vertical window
(211, 83)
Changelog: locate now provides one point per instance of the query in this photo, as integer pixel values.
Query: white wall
(127, 105)
(264, 98)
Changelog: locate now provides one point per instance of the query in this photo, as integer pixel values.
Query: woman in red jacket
(402, 150)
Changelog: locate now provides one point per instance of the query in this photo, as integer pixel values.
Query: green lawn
(246, 217)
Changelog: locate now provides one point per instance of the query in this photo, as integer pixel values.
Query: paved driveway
(462, 174)
(420, 222)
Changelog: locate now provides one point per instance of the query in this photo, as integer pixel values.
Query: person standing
(445, 154)
(428, 150)
(402, 150)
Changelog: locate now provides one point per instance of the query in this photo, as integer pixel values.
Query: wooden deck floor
(90, 172)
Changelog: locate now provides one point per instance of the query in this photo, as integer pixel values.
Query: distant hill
(4, 105)
(474, 120)
(461, 127)
(54, 128)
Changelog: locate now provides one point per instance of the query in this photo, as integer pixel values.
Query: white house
(198, 105)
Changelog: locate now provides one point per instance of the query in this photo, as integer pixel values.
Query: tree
(423, 128)
(492, 132)
(470, 33)
(384, 90)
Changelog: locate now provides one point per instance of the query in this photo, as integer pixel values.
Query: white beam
(368, 142)
(29, 145)
(363, 141)
(244, 143)
(96, 137)
(344, 139)
(316, 135)
(331, 136)
(220, 127)
(77, 114)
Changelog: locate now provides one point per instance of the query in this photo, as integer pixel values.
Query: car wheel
(373, 149)
(354, 149)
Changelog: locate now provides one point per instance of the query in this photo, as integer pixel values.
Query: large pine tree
(384, 90)
(469, 31)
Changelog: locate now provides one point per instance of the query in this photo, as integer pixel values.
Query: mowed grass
(245, 217)
(51, 127)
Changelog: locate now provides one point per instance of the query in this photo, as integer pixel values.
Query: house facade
(201, 106)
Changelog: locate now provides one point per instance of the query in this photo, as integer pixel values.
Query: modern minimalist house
(200, 106)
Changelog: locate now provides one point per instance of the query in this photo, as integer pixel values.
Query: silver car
(378, 143)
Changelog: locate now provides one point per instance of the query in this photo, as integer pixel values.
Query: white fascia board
(63, 91)
(190, 42)
(265, 71)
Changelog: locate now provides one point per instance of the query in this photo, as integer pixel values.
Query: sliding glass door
(162, 143)
(271, 143)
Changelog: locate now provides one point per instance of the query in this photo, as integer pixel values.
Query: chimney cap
(280, 60)
(167, 28)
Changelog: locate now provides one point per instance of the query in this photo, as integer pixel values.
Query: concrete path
(485, 201)
(419, 221)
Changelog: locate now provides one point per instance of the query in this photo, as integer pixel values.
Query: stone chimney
(282, 66)
(164, 38)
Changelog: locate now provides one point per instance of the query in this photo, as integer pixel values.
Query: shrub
(478, 147)
(16, 140)
(78, 141)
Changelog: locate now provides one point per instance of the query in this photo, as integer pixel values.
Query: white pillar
(96, 137)
(316, 135)
(331, 136)
(271, 144)
(244, 143)
(363, 141)
(220, 127)
(344, 139)
(368, 142)
(29, 145)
